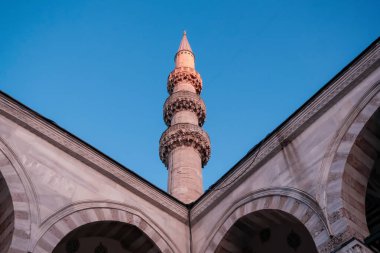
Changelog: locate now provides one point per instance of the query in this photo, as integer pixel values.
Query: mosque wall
(69, 190)
(292, 173)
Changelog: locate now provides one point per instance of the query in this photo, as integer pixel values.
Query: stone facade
(302, 189)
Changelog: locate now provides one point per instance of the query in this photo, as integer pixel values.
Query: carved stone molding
(184, 74)
(184, 134)
(184, 101)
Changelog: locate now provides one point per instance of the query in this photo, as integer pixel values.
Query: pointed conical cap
(185, 45)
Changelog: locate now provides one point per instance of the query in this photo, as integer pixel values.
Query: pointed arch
(76, 215)
(21, 199)
(347, 176)
(288, 200)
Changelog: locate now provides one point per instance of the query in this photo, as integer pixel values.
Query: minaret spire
(184, 146)
(184, 56)
(184, 45)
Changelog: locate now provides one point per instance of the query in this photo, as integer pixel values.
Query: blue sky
(99, 68)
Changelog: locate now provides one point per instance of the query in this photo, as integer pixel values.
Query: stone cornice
(60, 138)
(181, 101)
(184, 74)
(308, 113)
(185, 134)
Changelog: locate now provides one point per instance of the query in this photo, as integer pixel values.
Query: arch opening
(7, 216)
(106, 236)
(267, 231)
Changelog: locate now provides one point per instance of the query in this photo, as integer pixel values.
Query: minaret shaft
(185, 117)
(185, 174)
(184, 146)
(184, 58)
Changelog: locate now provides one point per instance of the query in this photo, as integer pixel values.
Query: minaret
(184, 146)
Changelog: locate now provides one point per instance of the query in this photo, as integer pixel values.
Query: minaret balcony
(184, 75)
(184, 134)
(184, 101)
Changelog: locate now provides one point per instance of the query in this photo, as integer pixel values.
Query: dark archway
(6, 216)
(106, 236)
(368, 142)
(373, 200)
(267, 231)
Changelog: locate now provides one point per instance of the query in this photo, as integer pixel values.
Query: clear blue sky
(99, 68)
